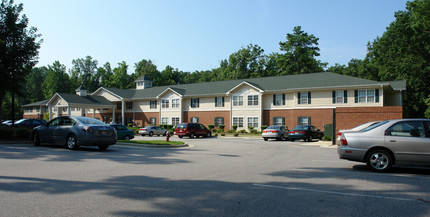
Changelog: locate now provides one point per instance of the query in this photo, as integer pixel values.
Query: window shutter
(299, 96)
(309, 97)
(309, 121)
(222, 101)
(283, 99)
(345, 96)
(198, 121)
(274, 120)
(333, 96)
(198, 102)
(356, 96)
(274, 99)
(215, 102)
(376, 95)
(283, 121)
(298, 121)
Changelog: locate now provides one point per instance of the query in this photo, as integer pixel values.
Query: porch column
(113, 115)
(50, 112)
(122, 111)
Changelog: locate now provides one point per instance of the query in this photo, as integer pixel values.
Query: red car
(192, 130)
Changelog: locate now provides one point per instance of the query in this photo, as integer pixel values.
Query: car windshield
(363, 126)
(20, 121)
(301, 128)
(85, 120)
(273, 127)
(373, 126)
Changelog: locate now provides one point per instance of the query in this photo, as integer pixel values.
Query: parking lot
(231, 176)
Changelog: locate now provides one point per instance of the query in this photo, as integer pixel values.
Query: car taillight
(142, 129)
(343, 140)
(87, 129)
(264, 131)
(274, 131)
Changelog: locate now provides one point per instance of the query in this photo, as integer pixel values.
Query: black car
(28, 123)
(305, 132)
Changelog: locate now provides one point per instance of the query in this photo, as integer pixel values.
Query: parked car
(74, 132)
(27, 123)
(305, 132)
(122, 132)
(387, 143)
(357, 128)
(275, 132)
(152, 130)
(192, 130)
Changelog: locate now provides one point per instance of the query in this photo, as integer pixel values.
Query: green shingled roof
(40, 103)
(268, 84)
(85, 100)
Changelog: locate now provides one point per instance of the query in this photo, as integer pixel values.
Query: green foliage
(231, 131)
(254, 131)
(221, 127)
(326, 138)
(263, 127)
(211, 126)
(234, 127)
(9, 133)
(243, 131)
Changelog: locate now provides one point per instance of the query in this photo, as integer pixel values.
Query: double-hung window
(175, 121)
(366, 96)
(303, 120)
(164, 103)
(237, 100)
(219, 101)
(340, 96)
(164, 120)
(219, 121)
(279, 121)
(129, 105)
(304, 98)
(195, 102)
(238, 121)
(153, 104)
(252, 100)
(253, 122)
(153, 121)
(194, 120)
(278, 99)
(175, 103)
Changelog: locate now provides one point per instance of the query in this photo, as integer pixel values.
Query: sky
(195, 35)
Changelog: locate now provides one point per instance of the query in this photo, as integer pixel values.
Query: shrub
(243, 131)
(236, 134)
(130, 125)
(263, 127)
(231, 131)
(214, 130)
(221, 131)
(221, 127)
(222, 134)
(250, 128)
(254, 131)
(211, 126)
(234, 127)
(326, 138)
(6, 133)
(23, 133)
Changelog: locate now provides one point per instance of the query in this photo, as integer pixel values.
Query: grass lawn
(153, 142)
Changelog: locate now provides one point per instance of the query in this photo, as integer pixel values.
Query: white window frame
(304, 97)
(153, 104)
(254, 122)
(304, 121)
(218, 101)
(164, 120)
(238, 121)
(175, 121)
(175, 103)
(195, 102)
(254, 101)
(366, 96)
(153, 121)
(370, 95)
(278, 99)
(339, 96)
(237, 100)
(164, 103)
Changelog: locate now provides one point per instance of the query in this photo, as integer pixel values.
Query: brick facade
(208, 117)
(319, 117)
(350, 117)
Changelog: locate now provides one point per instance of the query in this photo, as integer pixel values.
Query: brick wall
(319, 117)
(350, 117)
(208, 117)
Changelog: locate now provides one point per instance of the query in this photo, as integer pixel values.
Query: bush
(326, 138)
(6, 133)
(250, 128)
(254, 131)
(222, 134)
(214, 130)
(234, 127)
(221, 131)
(23, 133)
(243, 131)
(231, 131)
(130, 125)
(211, 126)
(236, 134)
(263, 127)
(221, 127)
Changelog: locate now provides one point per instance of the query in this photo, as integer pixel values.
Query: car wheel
(310, 138)
(292, 140)
(36, 139)
(379, 160)
(191, 135)
(282, 138)
(208, 135)
(142, 134)
(265, 139)
(151, 133)
(103, 147)
(72, 142)
(180, 137)
(127, 138)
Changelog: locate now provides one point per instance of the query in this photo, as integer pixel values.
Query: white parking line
(336, 192)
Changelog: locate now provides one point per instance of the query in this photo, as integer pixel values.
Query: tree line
(401, 53)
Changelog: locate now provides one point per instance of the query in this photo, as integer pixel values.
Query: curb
(152, 146)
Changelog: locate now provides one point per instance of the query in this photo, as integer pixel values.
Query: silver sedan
(275, 132)
(387, 143)
(74, 132)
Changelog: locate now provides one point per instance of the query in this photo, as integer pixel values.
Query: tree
(120, 78)
(301, 50)
(56, 81)
(105, 73)
(19, 49)
(248, 62)
(84, 72)
(403, 53)
(33, 84)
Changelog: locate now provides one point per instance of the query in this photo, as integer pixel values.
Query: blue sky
(197, 34)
